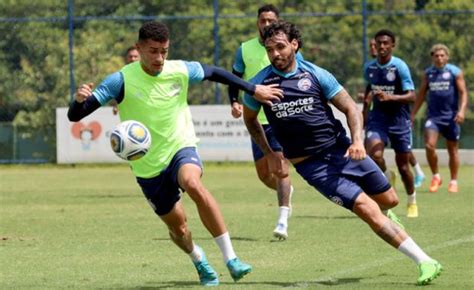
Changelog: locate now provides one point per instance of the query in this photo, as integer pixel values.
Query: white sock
(418, 170)
(411, 199)
(283, 217)
(196, 254)
(224, 243)
(413, 251)
(453, 181)
(437, 175)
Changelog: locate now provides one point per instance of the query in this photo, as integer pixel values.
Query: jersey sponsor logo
(446, 75)
(174, 90)
(439, 86)
(304, 84)
(270, 80)
(383, 88)
(293, 107)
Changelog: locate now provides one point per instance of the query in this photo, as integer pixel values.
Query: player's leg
(419, 174)
(368, 210)
(181, 236)
(375, 145)
(282, 186)
(454, 163)
(431, 138)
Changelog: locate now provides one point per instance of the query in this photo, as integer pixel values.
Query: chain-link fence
(49, 46)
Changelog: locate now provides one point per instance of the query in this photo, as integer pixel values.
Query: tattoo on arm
(258, 135)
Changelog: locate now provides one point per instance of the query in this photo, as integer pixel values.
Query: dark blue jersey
(443, 94)
(392, 78)
(303, 121)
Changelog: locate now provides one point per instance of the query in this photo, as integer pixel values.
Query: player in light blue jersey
(390, 91)
(315, 142)
(154, 91)
(447, 101)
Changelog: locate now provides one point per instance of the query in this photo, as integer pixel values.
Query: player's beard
(284, 63)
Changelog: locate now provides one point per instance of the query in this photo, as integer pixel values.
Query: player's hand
(277, 164)
(459, 119)
(268, 94)
(83, 92)
(356, 151)
(236, 110)
(382, 96)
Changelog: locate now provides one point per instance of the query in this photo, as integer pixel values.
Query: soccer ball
(130, 140)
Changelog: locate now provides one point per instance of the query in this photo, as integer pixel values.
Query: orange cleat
(453, 187)
(435, 183)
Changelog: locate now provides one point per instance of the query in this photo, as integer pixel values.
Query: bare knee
(178, 231)
(430, 147)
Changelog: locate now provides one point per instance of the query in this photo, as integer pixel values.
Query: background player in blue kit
(389, 94)
(316, 143)
(447, 101)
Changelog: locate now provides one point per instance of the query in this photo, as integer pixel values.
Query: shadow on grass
(210, 238)
(192, 284)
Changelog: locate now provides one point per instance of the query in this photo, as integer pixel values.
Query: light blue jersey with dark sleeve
(303, 121)
(112, 86)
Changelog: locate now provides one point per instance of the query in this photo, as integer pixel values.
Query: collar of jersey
(286, 75)
(384, 65)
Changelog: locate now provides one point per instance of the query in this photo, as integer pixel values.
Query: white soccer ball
(130, 140)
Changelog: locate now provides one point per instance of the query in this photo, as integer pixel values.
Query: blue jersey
(303, 121)
(392, 78)
(112, 85)
(443, 94)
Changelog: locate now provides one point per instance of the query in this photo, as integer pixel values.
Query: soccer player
(447, 101)
(315, 142)
(250, 58)
(419, 174)
(390, 89)
(154, 92)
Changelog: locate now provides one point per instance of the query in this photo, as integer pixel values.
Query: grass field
(90, 227)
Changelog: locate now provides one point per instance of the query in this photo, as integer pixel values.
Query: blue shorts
(400, 142)
(450, 130)
(272, 141)
(341, 179)
(163, 191)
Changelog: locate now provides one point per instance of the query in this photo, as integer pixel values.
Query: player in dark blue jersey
(447, 101)
(389, 92)
(315, 142)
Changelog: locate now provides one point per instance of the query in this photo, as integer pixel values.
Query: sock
(284, 212)
(411, 199)
(437, 175)
(224, 243)
(196, 254)
(453, 181)
(413, 251)
(418, 170)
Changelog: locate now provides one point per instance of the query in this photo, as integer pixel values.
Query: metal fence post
(216, 47)
(70, 19)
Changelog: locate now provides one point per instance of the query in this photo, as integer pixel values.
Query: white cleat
(281, 232)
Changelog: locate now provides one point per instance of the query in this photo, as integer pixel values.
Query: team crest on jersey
(304, 84)
(390, 76)
(446, 75)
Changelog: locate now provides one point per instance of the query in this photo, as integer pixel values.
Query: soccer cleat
(428, 271)
(281, 232)
(394, 218)
(391, 177)
(412, 210)
(238, 269)
(453, 187)
(435, 183)
(207, 275)
(419, 180)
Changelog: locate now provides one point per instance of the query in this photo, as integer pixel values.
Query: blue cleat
(419, 180)
(238, 269)
(207, 275)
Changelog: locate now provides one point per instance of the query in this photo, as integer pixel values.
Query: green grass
(90, 227)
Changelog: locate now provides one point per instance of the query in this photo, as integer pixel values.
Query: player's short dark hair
(156, 31)
(287, 28)
(133, 47)
(385, 32)
(268, 8)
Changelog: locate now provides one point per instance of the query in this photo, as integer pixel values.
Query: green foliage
(34, 56)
